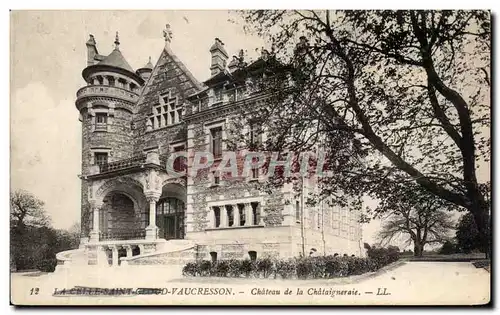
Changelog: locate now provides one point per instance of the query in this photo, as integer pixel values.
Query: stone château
(134, 212)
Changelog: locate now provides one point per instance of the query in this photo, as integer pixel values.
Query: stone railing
(122, 164)
(138, 234)
(133, 162)
(103, 90)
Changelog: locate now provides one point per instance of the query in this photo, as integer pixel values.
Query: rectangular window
(241, 210)
(100, 158)
(255, 135)
(297, 210)
(230, 215)
(255, 173)
(216, 141)
(216, 177)
(216, 216)
(165, 112)
(255, 213)
(101, 121)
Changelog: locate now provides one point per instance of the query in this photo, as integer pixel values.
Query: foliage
(448, 248)
(47, 265)
(33, 243)
(383, 256)
(264, 267)
(321, 267)
(393, 96)
(285, 268)
(467, 235)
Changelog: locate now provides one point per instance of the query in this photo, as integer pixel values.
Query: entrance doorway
(170, 218)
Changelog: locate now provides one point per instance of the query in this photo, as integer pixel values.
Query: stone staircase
(171, 252)
(166, 253)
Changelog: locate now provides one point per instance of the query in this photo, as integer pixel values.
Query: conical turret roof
(116, 59)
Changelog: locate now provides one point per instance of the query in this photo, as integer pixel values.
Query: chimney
(219, 57)
(264, 54)
(234, 64)
(91, 50)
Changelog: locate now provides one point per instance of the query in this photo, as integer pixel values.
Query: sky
(48, 54)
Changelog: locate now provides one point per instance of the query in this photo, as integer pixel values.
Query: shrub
(298, 268)
(264, 267)
(234, 266)
(318, 267)
(285, 268)
(246, 267)
(205, 268)
(448, 248)
(47, 265)
(190, 269)
(304, 267)
(332, 266)
(221, 268)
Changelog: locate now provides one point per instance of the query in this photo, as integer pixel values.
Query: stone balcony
(103, 90)
(125, 165)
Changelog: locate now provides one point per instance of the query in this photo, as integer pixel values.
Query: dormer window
(240, 92)
(197, 106)
(167, 112)
(231, 95)
(217, 94)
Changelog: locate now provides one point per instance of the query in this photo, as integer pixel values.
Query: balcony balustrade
(122, 164)
(103, 90)
(138, 234)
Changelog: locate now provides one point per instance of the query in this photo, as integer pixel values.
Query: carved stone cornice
(215, 112)
(119, 103)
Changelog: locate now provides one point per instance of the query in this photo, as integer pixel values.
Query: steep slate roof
(166, 69)
(116, 59)
(168, 73)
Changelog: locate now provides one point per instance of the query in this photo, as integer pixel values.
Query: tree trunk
(418, 249)
(481, 217)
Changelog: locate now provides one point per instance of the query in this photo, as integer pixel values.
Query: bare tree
(417, 216)
(26, 210)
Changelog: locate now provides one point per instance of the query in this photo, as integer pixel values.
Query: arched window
(213, 256)
(253, 255)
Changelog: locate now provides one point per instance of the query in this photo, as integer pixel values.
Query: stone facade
(129, 131)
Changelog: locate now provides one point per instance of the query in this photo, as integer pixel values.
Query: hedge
(295, 268)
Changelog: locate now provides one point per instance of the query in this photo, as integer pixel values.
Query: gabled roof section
(168, 73)
(116, 59)
(184, 69)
